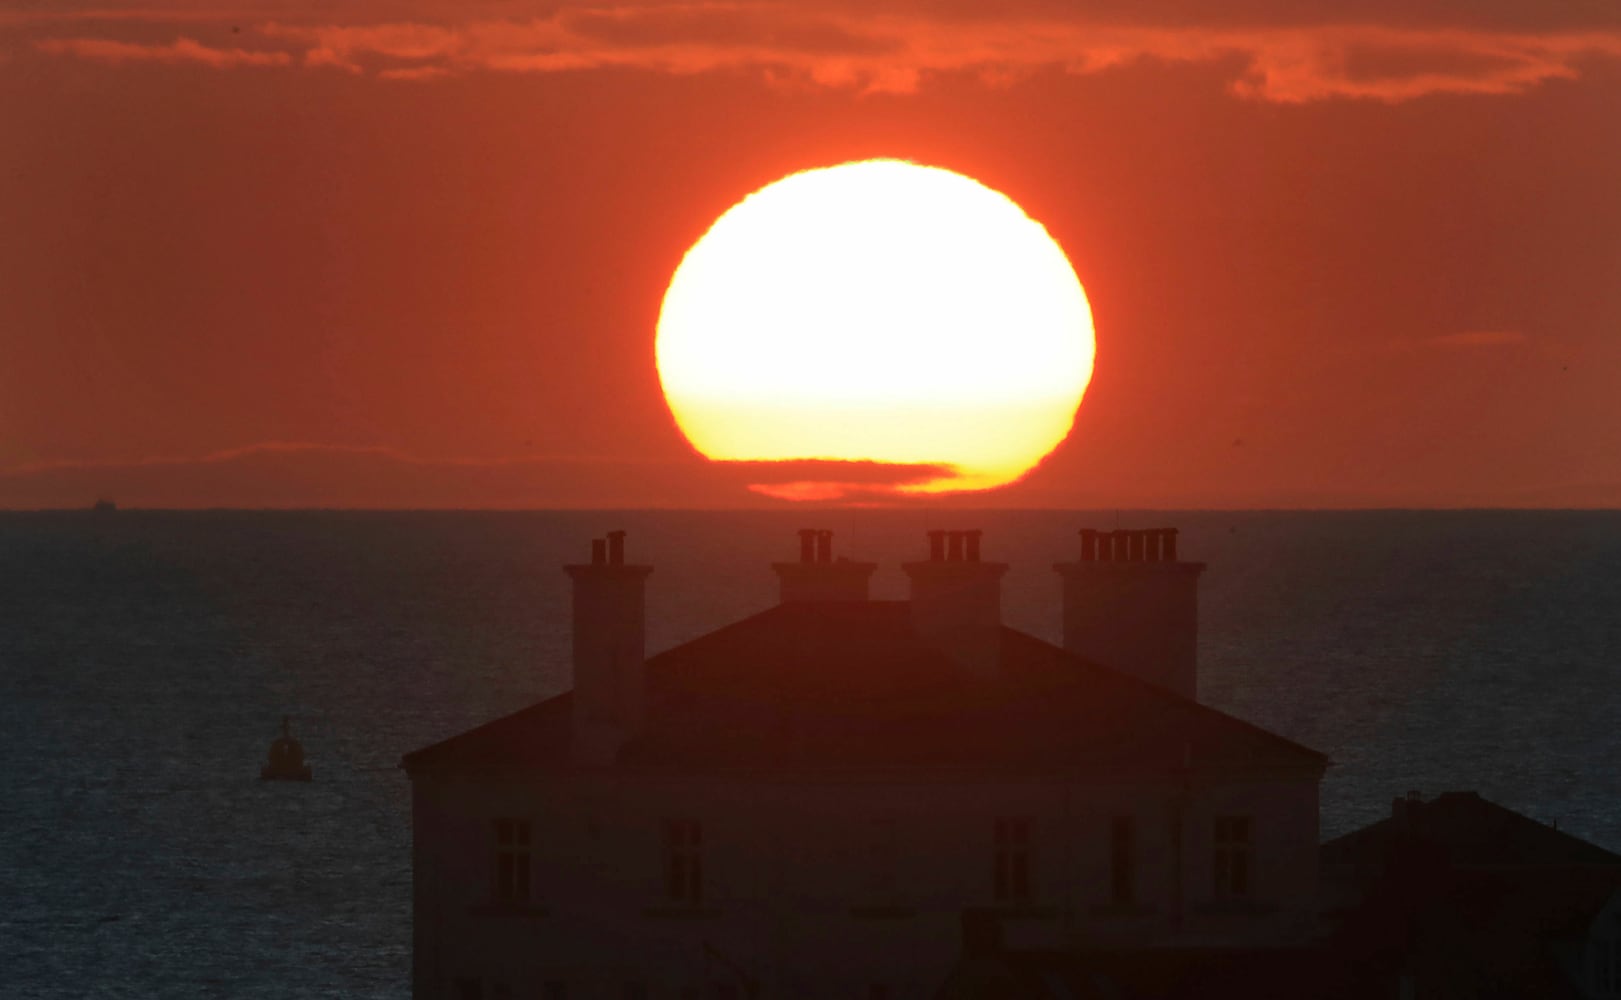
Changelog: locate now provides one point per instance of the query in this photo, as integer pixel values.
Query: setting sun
(879, 311)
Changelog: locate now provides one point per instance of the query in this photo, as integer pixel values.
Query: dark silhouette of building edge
(838, 796)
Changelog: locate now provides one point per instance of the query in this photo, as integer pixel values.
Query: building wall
(828, 886)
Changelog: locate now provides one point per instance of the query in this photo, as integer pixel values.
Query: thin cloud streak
(1476, 338)
(281, 474)
(854, 471)
(225, 455)
(312, 474)
(836, 479)
(1467, 340)
(899, 53)
(181, 50)
(414, 73)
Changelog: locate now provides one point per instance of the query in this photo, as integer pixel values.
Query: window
(684, 860)
(1230, 862)
(1012, 877)
(1123, 861)
(511, 861)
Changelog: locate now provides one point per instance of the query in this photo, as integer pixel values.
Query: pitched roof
(1461, 829)
(1469, 897)
(850, 685)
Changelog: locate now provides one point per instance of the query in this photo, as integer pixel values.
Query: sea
(147, 659)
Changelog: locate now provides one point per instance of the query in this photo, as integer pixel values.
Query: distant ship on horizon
(104, 506)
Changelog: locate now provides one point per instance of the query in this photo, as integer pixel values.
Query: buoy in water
(286, 761)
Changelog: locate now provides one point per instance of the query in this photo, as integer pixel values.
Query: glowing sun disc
(877, 311)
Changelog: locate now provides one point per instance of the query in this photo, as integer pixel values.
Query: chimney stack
(817, 576)
(609, 647)
(957, 600)
(1404, 811)
(1131, 605)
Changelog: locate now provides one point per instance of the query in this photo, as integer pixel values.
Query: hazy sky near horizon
(405, 253)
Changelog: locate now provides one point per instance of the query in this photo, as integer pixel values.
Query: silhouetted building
(804, 802)
(1448, 899)
(1460, 897)
(1454, 830)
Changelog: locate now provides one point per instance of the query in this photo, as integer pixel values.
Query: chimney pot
(956, 603)
(817, 577)
(1404, 812)
(616, 548)
(1139, 614)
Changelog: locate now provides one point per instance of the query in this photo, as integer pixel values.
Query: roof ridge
(859, 641)
(1170, 697)
(411, 759)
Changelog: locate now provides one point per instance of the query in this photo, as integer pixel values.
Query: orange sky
(258, 257)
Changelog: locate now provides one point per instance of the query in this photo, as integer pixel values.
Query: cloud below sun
(896, 52)
(317, 474)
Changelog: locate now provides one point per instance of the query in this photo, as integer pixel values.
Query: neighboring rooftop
(1461, 829)
(1466, 898)
(850, 685)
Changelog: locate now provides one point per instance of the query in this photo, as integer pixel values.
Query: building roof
(1461, 829)
(1469, 898)
(850, 685)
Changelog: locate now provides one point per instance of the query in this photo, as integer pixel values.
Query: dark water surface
(146, 658)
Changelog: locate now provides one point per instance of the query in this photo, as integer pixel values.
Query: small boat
(286, 761)
(104, 506)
